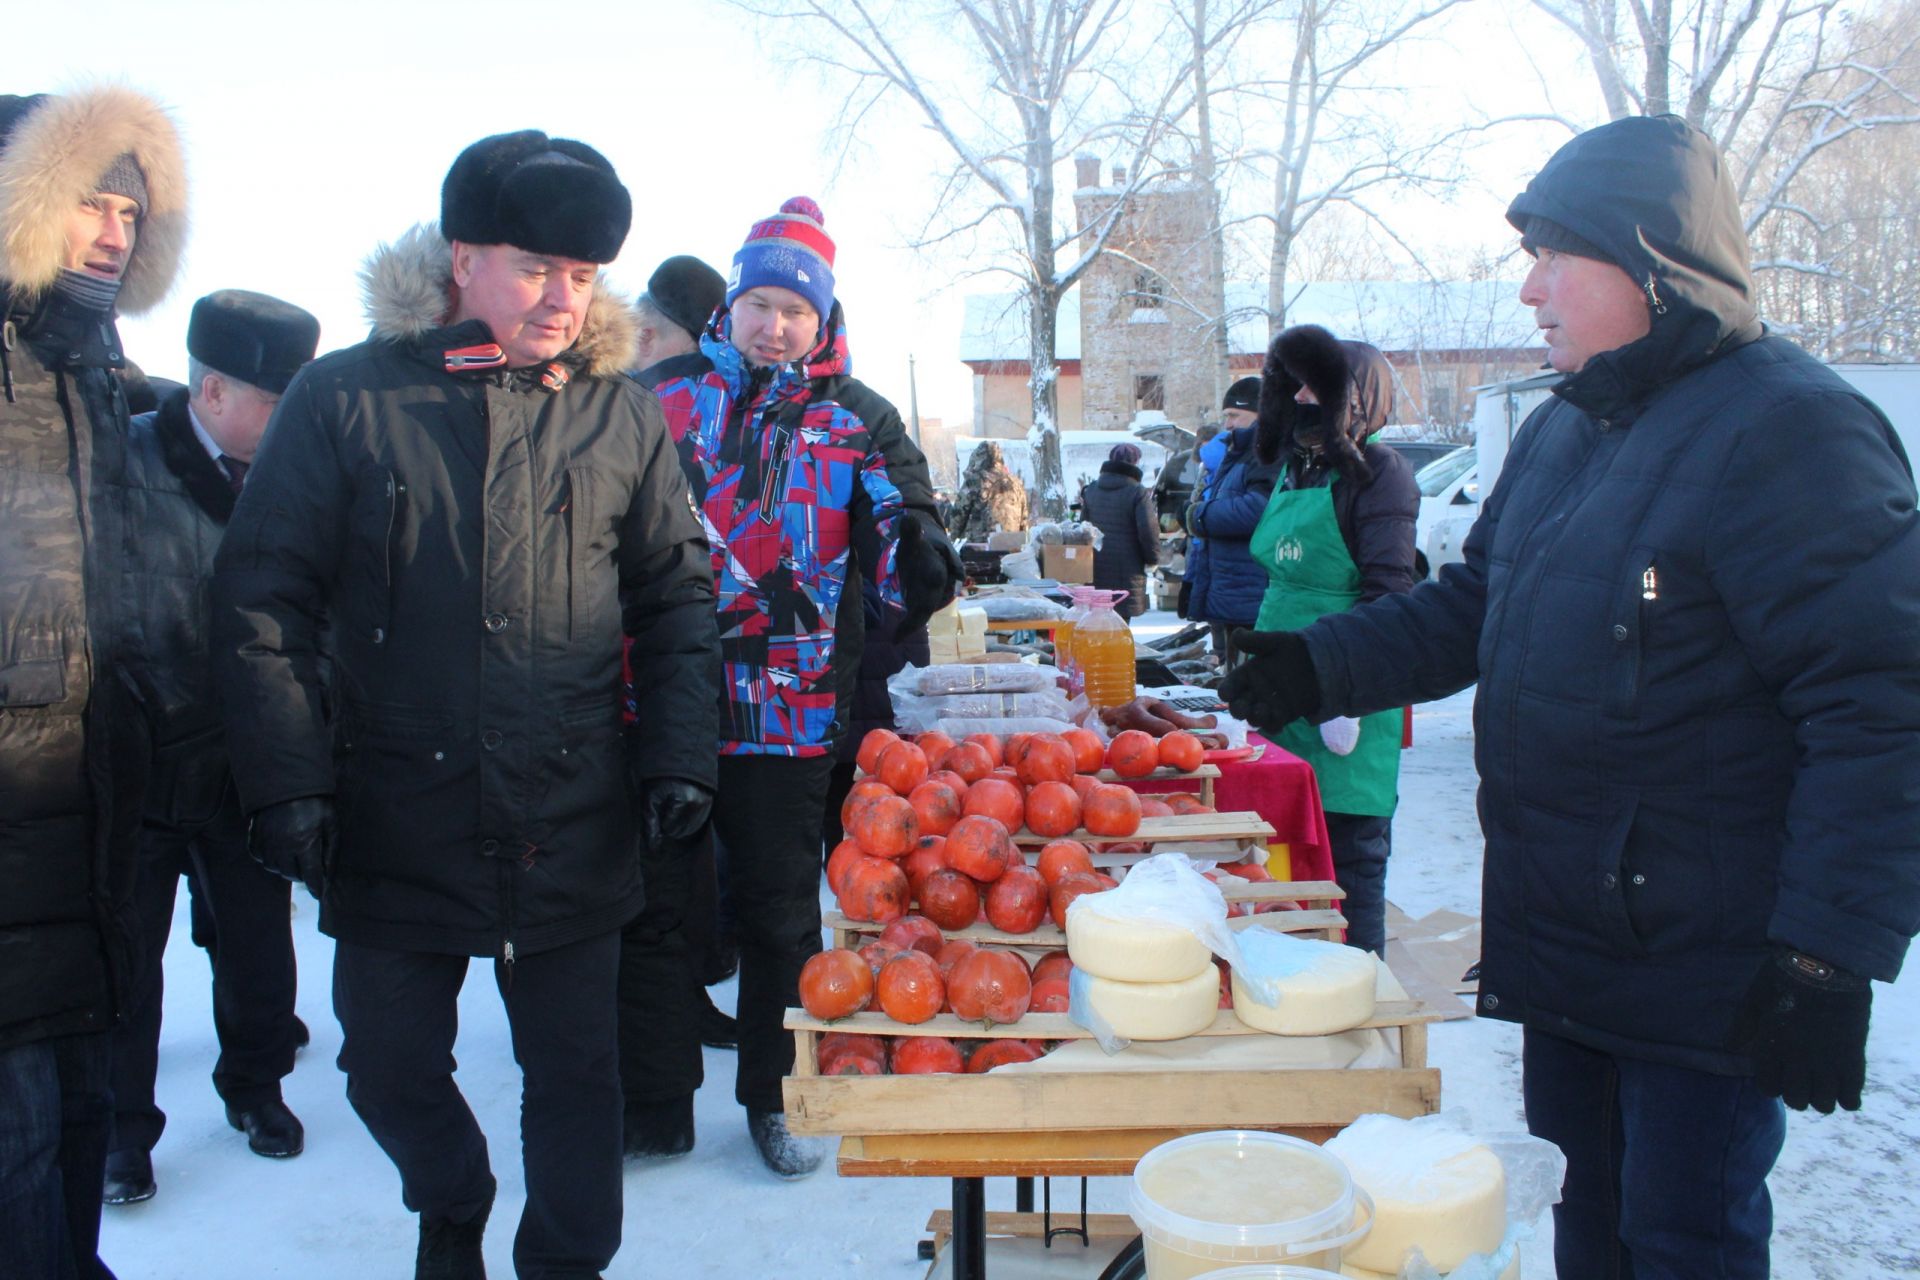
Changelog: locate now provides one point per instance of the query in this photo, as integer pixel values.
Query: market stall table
(1039, 1123)
(1280, 787)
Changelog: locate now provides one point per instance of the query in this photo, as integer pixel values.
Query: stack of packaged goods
(957, 634)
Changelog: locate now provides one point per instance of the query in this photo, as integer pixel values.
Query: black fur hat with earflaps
(1352, 383)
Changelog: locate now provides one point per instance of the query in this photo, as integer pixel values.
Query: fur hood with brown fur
(408, 290)
(54, 158)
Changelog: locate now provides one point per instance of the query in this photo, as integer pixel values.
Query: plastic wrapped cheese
(1301, 986)
(1435, 1188)
(1509, 1272)
(1148, 1010)
(1134, 949)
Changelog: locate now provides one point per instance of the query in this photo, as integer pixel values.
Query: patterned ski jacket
(801, 474)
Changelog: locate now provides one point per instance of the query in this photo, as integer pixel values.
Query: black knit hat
(545, 195)
(686, 291)
(255, 338)
(1544, 233)
(1244, 394)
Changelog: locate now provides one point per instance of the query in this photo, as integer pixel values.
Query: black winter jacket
(481, 540)
(1692, 603)
(1228, 583)
(179, 501)
(1122, 507)
(72, 750)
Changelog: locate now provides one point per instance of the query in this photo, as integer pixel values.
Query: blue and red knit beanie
(790, 250)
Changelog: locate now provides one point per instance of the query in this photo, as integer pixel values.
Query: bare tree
(1045, 78)
(1789, 89)
(1838, 271)
(1333, 151)
(1212, 31)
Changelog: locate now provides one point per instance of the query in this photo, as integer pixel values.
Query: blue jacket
(1227, 583)
(1692, 604)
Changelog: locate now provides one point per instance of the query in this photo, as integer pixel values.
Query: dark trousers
(399, 1014)
(661, 953)
(766, 819)
(1361, 847)
(240, 915)
(839, 783)
(55, 1114)
(1666, 1166)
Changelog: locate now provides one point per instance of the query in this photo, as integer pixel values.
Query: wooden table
(1033, 1124)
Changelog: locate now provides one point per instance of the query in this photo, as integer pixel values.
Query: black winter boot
(789, 1157)
(451, 1250)
(659, 1130)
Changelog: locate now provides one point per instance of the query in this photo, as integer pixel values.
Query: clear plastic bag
(1019, 608)
(1166, 888)
(1389, 1155)
(1067, 533)
(925, 711)
(950, 678)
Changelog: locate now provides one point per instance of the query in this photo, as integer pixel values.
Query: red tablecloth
(1280, 787)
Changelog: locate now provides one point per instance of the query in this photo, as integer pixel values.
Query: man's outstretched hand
(1274, 683)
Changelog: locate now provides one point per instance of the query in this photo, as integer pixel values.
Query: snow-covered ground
(1846, 1194)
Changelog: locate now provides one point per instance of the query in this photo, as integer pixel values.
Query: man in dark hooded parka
(1692, 606)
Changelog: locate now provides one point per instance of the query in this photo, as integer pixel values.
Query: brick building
(1133, 343)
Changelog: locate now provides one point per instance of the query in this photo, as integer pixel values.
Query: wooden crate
(1307, 1100)
(1319, 918)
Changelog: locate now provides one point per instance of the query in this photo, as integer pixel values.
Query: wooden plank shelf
(1320, 918)
(1248, 829)
(1058, 1026)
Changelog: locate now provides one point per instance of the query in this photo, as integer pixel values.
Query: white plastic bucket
(1271, 1271)
(1295, 1204)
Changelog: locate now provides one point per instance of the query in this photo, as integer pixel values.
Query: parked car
(1419, 453)
(1449, 504)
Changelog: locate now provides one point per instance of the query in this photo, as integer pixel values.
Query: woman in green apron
(1338, 532)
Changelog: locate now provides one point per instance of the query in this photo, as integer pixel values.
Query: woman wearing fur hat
(1337, 532)
(92, 218)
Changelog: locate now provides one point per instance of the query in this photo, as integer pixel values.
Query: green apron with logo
(1311, 574)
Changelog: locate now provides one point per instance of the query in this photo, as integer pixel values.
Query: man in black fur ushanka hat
(186, 462)
(481, 506)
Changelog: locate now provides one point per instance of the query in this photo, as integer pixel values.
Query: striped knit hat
(790, 250)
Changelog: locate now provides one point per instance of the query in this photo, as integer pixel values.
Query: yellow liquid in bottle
(1105, 658)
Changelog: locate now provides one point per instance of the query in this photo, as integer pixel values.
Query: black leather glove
(295, 839)
(1274, 683)
(1805, 1024)
(930, 573)
(1183, 601)
(672, 809)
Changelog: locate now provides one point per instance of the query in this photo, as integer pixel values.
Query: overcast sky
(313, 133)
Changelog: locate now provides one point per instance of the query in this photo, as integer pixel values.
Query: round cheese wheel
(1334, 992)
(1509, 1272)
(1133, 950)
(1451, 1210)
(1156, 1010)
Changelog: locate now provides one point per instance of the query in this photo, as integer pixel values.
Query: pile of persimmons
(931, 827)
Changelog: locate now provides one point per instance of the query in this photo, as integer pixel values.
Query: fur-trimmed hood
(408, 290)
(1352, 382)
(53, 158)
